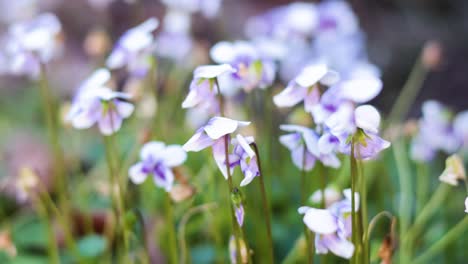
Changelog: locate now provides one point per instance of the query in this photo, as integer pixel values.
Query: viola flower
(244, 156)
(208, 8)
(134, 48)
(203, 88)
(252, 70)
(305, 87)
(32, 43)
(363, 124)
(212, 135)
(157, 160)
(332, 226)
(96, 103)
(436, 133)
(454, 171)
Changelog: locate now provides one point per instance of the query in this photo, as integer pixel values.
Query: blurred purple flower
(460, 127)
(208, 8)
(239, 210)
(134, 48)
(252, 70)
(212, 135)
(30, 43)
(304, 87)
(95, 103)
(203, 88)
(436, 132)
(157, 160)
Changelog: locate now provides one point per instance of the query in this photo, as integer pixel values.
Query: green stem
(170, 222)
(422, 188)
(460, 229)
(363, 211)
(404, 176)
(310, 257)
(408, 93)
(373, 222)
(354, 214)
(431, 207)
(266, 207)
(52, 245)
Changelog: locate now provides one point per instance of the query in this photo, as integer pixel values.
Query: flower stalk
(309, 246)
(171, 230)
(266, 207)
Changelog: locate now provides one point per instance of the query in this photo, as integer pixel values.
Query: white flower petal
(136, 174)
(151, 149)
(320, 221)
(367, 118)
(220, 126)
(212, 71)
(361, 90)
(174, 155)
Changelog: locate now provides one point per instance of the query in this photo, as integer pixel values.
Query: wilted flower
(157, 160)
(96, 103)
(252, 69)
(435, 132)
(203, 88)
(454, 170)
(134, 49)
(31, 43)
(233, 250)
(305, 87)
(332, 226)
(212, 135)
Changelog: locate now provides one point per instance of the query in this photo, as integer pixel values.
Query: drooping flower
(134, 48)
(436, 133)
(244, 156)
(454, 170)
(305, 87)
(213, 135)
(157, 160)
(96, 103)
(252, 69)
(32, 43)
(203, 88)
(332, 226)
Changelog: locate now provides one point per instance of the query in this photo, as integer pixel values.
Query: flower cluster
(332, 226)
(439, 130)
(30, 43)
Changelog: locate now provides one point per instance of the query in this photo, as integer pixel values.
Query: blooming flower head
(454, 170)
(33, 42)
(332, 226)
(436, 132)
(203, 88)
(252, 70)
(212, 135)
(96, 103)
(305, 87)
(157, 160)
(134, 48)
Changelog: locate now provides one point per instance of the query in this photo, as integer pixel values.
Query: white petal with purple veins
(198, 141)
(292, 95)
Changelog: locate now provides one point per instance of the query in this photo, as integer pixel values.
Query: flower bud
(454, 170)
(432, 55)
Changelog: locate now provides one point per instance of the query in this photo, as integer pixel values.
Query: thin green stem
(422, 188)
(304, 189)
(363, 212)
(266, 207)
(373, 222)
(409, 92)
(170, 222)
(460, 229)
(354, 214)
(404, 176)
(52, 244)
